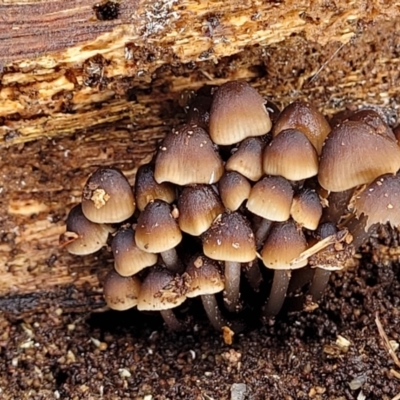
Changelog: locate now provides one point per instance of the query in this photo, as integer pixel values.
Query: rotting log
(104, 92)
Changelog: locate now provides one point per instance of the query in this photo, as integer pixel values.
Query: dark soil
(128, 355)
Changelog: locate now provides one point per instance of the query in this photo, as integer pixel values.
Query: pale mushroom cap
(284, 244)
(198, 206)
(83, 236)
(156, 229)
(121, 293)
(380, 201)
(353, 154)
(247, 160)
(205, 276)
(230, 238)
(107, 197)
(305, 118)
(271, 198)
(148, 190)
(291, 155)
(128, 258)
(160, 291)
(234, 189)
(306, 209)
(187, 146)
(237, 112)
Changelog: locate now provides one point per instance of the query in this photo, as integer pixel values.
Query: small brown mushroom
(107, 197)
(354, 154)
(148, 190)
(83, 236)
(291, 155)
(198, 206)
(282, 247)
(187, 146)
(306, 209)
(305, 118)
(128, 258)
(230, 239)
(157, 231)
(121, 293)
(162, 291)
(237, 112)
(234, 189)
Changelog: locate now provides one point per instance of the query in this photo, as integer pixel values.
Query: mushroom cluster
(241, 206)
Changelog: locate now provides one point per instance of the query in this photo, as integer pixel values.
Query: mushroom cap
(198, 206)
(161, 291)
(247, 159)
(156, 229)
(83, 236)
(306, 209)
(291, 155)
(234, 189)
(121, 293)
(148, 190)
(305, 118)
(205, 276)
(373, 119)
(191, 146)
(237, 112)
(271, 198)
(230, 238)
(380, 201)
(107, 197)
(283, 245)
(354, 154)
(128, 258)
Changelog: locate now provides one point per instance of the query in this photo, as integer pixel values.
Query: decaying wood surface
(94, 93)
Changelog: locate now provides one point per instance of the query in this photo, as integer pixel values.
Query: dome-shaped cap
(237, 112)
(187, 156)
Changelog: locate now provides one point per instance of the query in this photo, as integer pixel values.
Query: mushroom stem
(338, 202)
(253, 275)
(171, 260)
(213, 312)
(277, 295)
(171, 320)
(262, 232)
(232, 285)
(319, 282)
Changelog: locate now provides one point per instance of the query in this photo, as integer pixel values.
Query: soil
(333, 352)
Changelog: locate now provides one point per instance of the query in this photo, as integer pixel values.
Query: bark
(78, 92)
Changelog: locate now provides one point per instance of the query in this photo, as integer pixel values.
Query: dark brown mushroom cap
(157, 230)
(148, 190)
(128, 258)
(247, 159)
(198, 206)
(305, 118)
(237, 112)
(283, 245)
(354, 154)
(234, 189)
(291, 155)
(373, 119)
(205, 276)
(230, 238)
(161, 290)
(306, 209)
(107, 197)
(188, 156)
(380, 201)
(121, 293)
(271, 198)
(83, 236)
